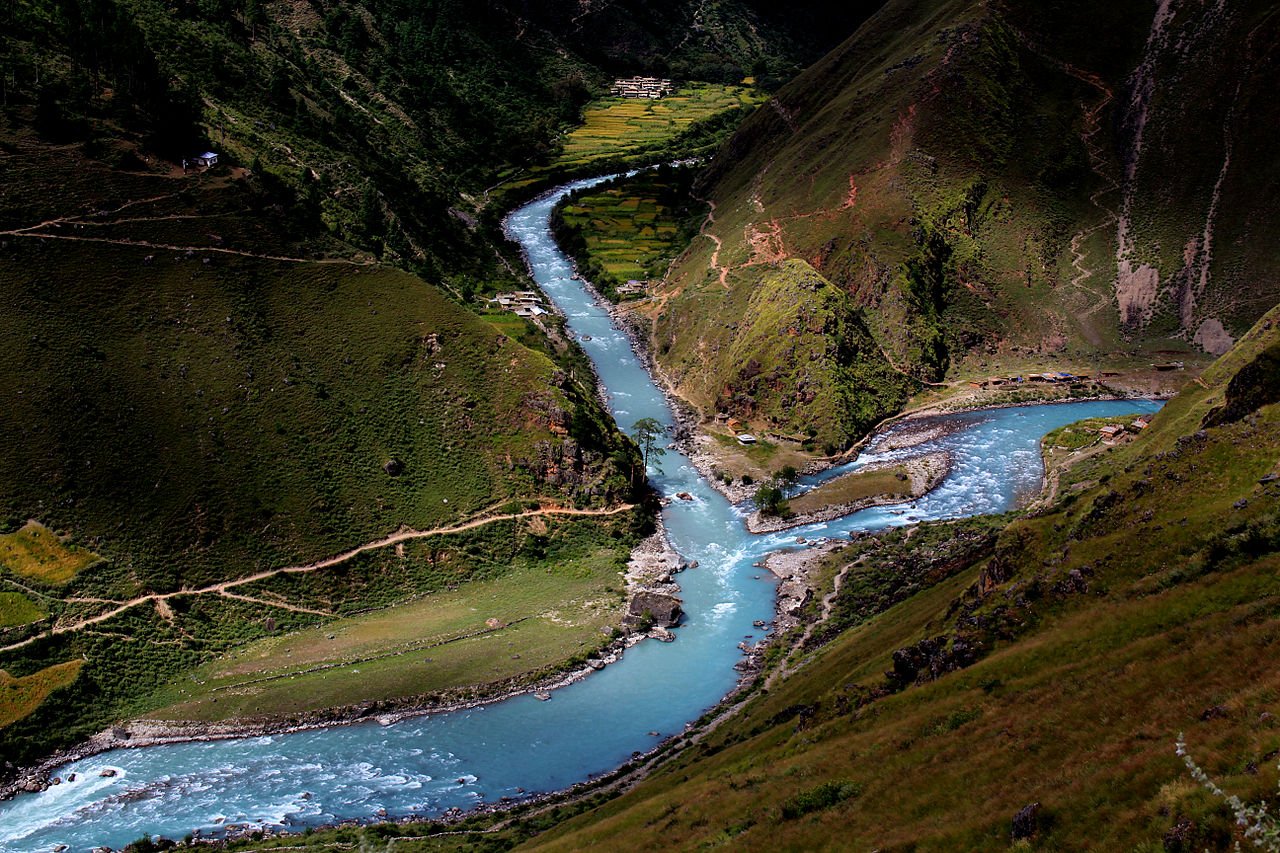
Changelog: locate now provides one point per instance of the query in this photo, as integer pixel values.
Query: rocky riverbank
(653, 608)
(795, 588)
(686, 434)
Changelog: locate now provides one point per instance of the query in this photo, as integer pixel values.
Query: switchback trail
(224, 587)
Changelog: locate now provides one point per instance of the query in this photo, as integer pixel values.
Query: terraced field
(629, 229)
(613, 127)
(690, 123)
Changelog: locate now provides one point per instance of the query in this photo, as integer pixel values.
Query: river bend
(426, 765)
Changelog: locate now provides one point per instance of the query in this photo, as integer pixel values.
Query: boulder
(393, 467)
(1026, 823)
(663, 610)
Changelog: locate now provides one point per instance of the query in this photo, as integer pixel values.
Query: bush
(824, 796)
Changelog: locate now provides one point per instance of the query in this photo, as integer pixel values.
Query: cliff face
(1011, 179)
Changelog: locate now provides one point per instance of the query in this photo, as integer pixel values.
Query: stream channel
(517, 747)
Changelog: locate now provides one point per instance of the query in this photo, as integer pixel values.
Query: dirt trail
(1104, 297)
(145, 244)
(96, 219)
(789, 666)
(1053, 477)
(722, 271)
(395, 538)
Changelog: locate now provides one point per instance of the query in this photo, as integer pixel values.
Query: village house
(1111, 432)
(634, 287)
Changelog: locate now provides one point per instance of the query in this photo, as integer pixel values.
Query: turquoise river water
(517, 747)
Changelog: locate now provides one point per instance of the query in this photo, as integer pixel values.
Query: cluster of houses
(652, 88)
(1114, 432)
(1052, 378)
(522, 303)
(737, 427)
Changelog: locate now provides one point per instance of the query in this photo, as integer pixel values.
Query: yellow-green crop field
(17, 609)
(632, 238)
(615, 127)
(20, 696)
(36, 552)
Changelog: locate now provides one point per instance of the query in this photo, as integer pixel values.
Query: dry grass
(857, 486)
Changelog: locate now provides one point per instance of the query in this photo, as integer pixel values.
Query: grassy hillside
(1056, 666)
(215, 375)
(974, 176)
(384, 121)
(718, 40)
(199, 388)
(792, 353)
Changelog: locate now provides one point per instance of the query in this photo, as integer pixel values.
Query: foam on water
(426, 765)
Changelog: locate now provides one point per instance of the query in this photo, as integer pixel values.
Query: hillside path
(224, 587)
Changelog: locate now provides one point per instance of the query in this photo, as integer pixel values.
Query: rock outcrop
(656, 608)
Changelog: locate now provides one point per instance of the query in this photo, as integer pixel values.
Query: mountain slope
(1012, 183)
(192, 394)
(214, 373)
(1050, 670)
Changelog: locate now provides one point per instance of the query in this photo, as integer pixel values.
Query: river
(521, 746)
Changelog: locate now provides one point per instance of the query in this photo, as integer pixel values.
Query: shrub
(823, 796)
